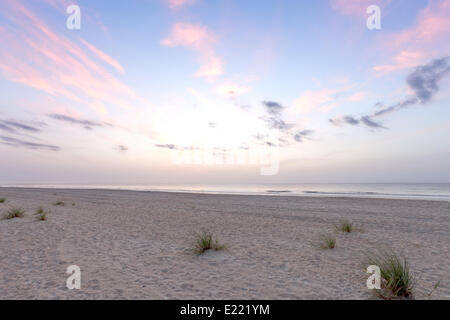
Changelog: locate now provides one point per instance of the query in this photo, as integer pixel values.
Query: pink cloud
(190, 35)
(356, 7)
(432, 24)
(201, 40)
(324, 100)
(358, 96)
(103, 56)
(42, 59)
(424, 40)
(321, 100)
(173, 4)
(405, 59)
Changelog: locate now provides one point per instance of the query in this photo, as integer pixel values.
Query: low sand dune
(134, 245)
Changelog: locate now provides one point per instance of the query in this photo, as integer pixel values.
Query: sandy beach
(135, 245)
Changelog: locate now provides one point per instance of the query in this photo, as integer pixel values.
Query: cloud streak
(415, 45)
(299, 136)
(87, 124)
(12, 125)
(6, 128)
(350, 120)
(26, 144)
(423, 81)
(320, 100)
(32, 54)
(103, 56)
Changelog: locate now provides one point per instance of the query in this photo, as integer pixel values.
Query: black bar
(233, 309)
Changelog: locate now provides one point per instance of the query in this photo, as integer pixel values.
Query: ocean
(420, 191)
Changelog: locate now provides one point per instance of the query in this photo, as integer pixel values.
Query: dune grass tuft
(345, 226)
(59, 203)
(2, 200)
(205, 241)
(395, 273)
(327, 241)
(42, 215)
(14, 213)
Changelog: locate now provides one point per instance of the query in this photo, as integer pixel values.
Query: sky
(217, 92)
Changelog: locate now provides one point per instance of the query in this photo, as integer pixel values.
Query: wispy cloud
(103, 56)
(275, 121)
(27, 144)
(358, 96)
(350, 120)
(317, 100)
(416, 44)
(198, 38)
(423, 81)
(432, 24)
(400, 105)
(405, 59)
(12, 125)
(34, 55)
(368, 121)
(6, 128)
(299, 136)
(87, 124)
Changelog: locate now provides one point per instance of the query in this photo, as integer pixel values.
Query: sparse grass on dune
(42, 215)
(205, 241)
(14, 213)
(2, 200)
(395, 273)
(345, 226)
(59, 203)
(327, 241)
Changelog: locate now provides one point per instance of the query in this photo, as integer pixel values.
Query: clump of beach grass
(327, 241)
(205, 241)
(2, 200)
(395, 273)
(345, 226)
(42, 215)
(14, 213)
(59, 203)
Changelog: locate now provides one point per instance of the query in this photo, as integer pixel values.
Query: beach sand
(135, 245)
